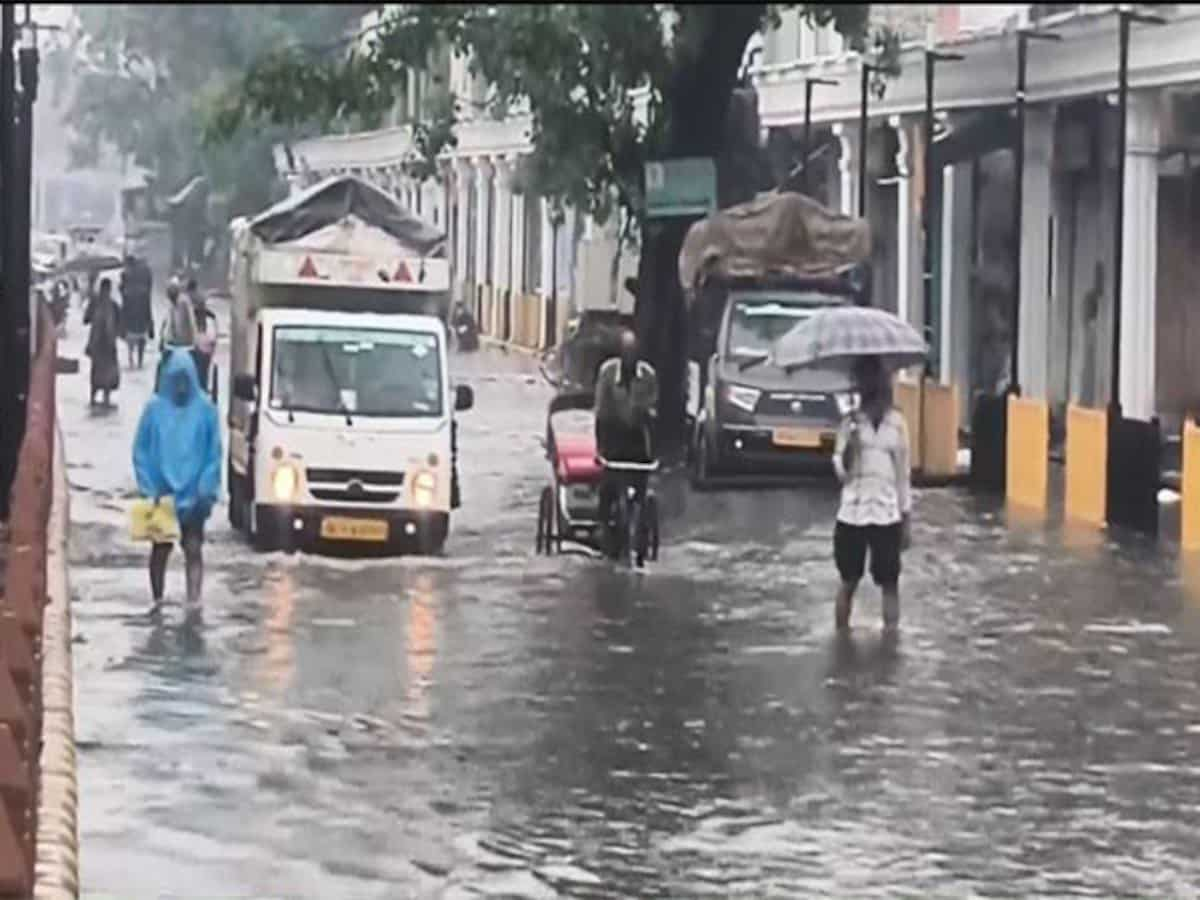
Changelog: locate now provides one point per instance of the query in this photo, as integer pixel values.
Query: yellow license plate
(797, 437)
(338, 529)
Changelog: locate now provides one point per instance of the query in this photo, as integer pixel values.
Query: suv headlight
(744, 398)
(846, 403)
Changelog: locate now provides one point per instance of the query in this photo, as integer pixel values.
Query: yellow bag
(154, 522)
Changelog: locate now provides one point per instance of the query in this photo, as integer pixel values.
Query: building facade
(1067, 242)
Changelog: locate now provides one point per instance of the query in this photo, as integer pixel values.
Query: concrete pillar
(483, 175)
(908, 231)
(518, 240)
(502, 232)
(464, 177)
(956, 279)
(1037, 197)
(1140, 250)
(548, 249)
(847, 136)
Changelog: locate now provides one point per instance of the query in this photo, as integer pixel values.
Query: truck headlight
(425, 489)
(744, 398)
(285, 482)
(846, 403)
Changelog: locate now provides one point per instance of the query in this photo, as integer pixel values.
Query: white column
(907, 230)
(502, 233)
(1036, 205)
(1139, 257)
(518, 240)
(956, 278)
(548, 250)
(483, 174)
(464, 177)
(847, 136)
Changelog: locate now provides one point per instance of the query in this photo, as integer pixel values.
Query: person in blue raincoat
(177, 453)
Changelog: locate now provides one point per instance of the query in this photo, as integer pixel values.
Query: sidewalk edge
(57, 868)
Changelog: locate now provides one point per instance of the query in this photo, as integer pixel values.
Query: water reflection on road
(493, 723)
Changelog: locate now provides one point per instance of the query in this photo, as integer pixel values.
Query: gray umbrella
(836, 336)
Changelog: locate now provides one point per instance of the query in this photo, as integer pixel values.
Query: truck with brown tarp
(750, 273)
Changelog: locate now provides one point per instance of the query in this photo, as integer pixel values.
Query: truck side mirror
(464, 398)
(245, 387)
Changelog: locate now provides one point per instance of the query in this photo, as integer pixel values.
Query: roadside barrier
(932, 419)
(1086, 497)
(1190, 526)
(511, 318)
(1027, 453)
(26, 718)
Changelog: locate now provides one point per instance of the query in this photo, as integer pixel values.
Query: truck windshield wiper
(334, 381)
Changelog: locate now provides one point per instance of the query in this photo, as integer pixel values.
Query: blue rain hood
(177, 450)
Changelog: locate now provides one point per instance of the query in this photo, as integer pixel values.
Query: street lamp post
(932, 58)
(864, 93)
(1023, 38)
(809, 84)
(1126, 18)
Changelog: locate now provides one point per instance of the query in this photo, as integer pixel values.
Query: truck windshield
(759, 319)
(365, 372)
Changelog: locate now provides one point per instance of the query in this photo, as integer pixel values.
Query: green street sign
(680, 187)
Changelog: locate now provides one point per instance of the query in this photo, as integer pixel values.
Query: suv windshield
(366, 372)
(760, 318)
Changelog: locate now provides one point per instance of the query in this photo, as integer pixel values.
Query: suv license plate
(797, 437)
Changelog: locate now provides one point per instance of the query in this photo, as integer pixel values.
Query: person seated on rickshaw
(626, 408)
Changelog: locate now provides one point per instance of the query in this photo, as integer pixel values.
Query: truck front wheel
(431, 538)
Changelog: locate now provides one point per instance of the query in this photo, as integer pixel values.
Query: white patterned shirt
(878, 488)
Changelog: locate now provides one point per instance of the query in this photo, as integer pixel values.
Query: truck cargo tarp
(332, 200)
(784, 233)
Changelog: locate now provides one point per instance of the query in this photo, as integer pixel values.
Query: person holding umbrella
(871, 459)
(871, 456)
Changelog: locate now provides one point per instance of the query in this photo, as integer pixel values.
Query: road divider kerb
(56, 875)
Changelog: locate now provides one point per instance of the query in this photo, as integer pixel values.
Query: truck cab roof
(273, 316)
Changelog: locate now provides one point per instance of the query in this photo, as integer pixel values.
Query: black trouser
(619, 444)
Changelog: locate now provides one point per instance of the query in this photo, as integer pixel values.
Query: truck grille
(345, 476)
(354, 485)
(348, 496)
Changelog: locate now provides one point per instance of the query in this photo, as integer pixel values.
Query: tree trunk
(712, 40)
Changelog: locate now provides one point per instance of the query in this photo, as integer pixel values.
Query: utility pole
(932, 58)
(1023, 38)
(809, 84)
(864, 93)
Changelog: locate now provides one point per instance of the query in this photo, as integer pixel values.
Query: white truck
(341, 409)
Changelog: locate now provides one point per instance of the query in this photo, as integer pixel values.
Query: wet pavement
(493, 723)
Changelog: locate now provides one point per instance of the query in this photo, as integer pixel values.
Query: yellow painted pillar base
(1086, 498)
(1027, 464)
(1190, 535)
(937, 454)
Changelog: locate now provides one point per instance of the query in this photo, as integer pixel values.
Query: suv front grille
(345, 476)
(810, 405)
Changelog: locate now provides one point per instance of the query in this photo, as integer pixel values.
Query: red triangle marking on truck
(402, 273)
(308, 270)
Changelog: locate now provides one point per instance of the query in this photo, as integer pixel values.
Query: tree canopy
(584, 72)
(145, 76)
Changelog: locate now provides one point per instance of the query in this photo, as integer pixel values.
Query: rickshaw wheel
(544, 522)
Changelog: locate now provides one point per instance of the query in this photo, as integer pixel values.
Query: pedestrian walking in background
(103, 315)
(871, 459)
(178, 328)
(177, 454)
(136, 285)
(206, 331)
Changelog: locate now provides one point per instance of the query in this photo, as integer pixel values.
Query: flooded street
(495, 723)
